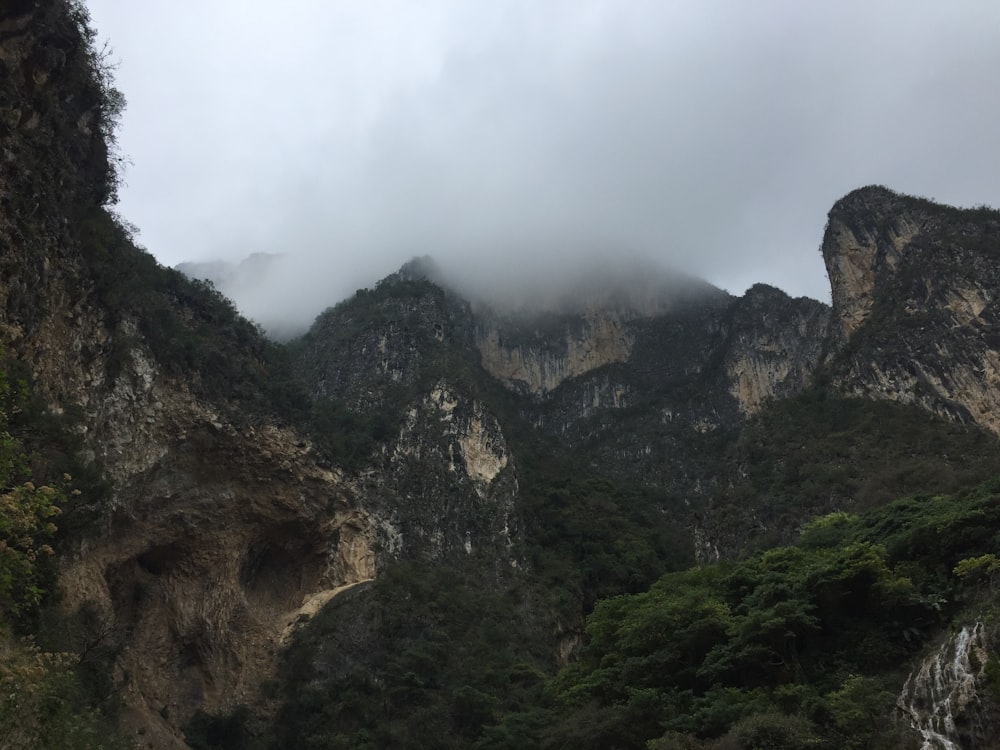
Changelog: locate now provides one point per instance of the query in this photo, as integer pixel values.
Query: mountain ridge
(531, 467)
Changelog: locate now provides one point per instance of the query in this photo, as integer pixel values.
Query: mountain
(394, 530)
(915, 306)
(259, 285)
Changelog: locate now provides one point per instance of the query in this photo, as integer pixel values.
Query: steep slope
(396, 396)
(220, 520)
(797, 647)
(774, 348)
(915, 303)
(668, 329)
(521, 464)
(226, 527)
(646, 384)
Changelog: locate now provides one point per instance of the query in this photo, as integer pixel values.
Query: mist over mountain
(262, 290)
(284, 296)
(542, 501)
(711, 139)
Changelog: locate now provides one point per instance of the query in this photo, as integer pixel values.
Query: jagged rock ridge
(915, 303)
(231, 519)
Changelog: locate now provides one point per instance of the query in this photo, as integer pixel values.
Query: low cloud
(516, 140)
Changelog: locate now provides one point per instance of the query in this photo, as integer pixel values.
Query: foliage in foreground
(43, 705)
(26, 522)
(800, 646)
(819, 451)
(424, 658)
(45, 702)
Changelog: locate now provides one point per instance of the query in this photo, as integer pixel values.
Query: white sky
(508, 137)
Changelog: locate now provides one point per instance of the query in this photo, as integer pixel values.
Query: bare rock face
(537, 348)
(225, 535)
(215, 551)
(220, 538)
(863, 245)
(775, 346)
(447, 484)
(531, 360)
(915, 309)
(442, 482)
(368, 349)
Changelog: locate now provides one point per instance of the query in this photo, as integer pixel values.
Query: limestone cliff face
(775, 346)
(213, 550)
(864, 242)
(533, 361)
(915, 314)
(217, 535)
(223, 535)
(442, 480)
(222, 523)
(380, 342)
(769, 346)
(447, 483)
(537, 349)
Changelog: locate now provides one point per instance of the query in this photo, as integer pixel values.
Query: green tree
(42, 702)
(981, 569)
(26, 520)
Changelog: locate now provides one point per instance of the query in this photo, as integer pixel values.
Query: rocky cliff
(218, 530)
(775, 346)
(552, 455)
(915, 303)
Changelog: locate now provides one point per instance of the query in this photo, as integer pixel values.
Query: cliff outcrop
(915, 303)
(775, 346)
(536, 348)
(210, 553)
(536, 361)
(581, 446)
(221, 522)
(393, 366)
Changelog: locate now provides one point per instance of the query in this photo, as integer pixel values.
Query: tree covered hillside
(803, 646)
(680, 520)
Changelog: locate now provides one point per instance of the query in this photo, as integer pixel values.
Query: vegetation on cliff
(798, 637)
(798, 646)
(47, 698)
(27, 530)
(473, 662)
(801, 645)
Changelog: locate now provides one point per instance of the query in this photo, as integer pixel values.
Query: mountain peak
(418, 268)
(633, 285)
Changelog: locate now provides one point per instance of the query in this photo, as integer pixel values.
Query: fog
(520, 140)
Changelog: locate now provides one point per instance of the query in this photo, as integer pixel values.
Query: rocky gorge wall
(225, 527)
(915, 308)
(775, 346)
(228, 525)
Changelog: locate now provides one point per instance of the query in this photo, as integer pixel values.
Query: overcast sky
(505, 137)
